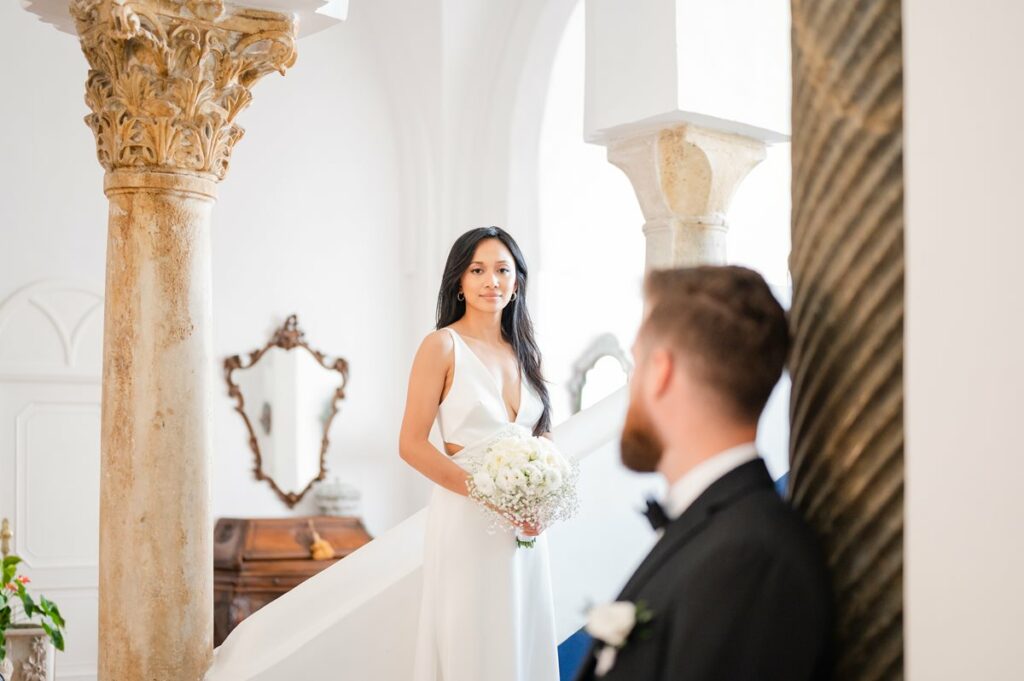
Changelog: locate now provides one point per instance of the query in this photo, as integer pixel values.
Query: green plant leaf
(27, 602)
(50, 609)
(56, 637)
(10, 567)
(58, 641)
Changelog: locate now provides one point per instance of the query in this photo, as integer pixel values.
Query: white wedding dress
(486, 612)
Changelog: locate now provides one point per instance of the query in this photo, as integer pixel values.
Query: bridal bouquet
(523, 479)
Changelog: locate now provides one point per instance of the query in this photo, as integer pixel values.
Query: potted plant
(15, 599)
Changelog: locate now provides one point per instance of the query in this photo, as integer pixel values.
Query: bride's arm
(426, 384)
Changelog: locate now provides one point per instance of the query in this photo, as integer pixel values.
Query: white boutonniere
(612, 624)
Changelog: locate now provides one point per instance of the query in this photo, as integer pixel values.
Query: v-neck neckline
(494, 382)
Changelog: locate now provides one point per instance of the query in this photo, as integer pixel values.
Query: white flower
(612, 623)
(506, 479)
(552, 480)
(484, 483)
(605, 660)
(534, 471)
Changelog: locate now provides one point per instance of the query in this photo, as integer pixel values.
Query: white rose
(506, 479)
(484, 483)
(534, 472)
(520, 456)
(520, 431)
(552, 480)
(518, 478)
(612, 623)
(547, 447)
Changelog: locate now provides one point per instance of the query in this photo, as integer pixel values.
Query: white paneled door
(50, 346)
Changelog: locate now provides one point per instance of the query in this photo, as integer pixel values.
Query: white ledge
(674, 119)
(312, 15)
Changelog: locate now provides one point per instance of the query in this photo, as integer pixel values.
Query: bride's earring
(514, 296)
(461, 296)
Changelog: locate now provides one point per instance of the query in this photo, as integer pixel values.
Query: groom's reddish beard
(640, 446)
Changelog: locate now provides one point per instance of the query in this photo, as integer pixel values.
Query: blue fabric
(571, 654)
(782, 483)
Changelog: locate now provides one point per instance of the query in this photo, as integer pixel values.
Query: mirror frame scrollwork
(287, 337)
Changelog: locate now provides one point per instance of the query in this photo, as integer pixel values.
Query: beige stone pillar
(684, 179)
(166, 81)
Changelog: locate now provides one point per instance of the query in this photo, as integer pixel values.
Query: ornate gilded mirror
(288, 393)
(601, 369)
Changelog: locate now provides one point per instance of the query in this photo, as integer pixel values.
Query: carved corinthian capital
(168, 78)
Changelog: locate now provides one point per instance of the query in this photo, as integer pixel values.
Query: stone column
(167, 79)
(846, 442)
(684, 179)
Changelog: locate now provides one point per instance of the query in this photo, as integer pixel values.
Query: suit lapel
(677, 533)
(734, 485)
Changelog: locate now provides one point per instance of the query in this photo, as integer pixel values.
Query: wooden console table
(255, 560)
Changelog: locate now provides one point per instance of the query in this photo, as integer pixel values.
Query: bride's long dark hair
(516, 326)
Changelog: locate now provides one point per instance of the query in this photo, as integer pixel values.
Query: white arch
(502, 171)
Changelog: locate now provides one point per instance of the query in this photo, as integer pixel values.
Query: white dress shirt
(688, 488)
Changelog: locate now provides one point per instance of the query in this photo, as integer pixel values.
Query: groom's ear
(662, 368)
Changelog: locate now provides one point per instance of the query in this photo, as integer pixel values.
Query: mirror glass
(288, 394)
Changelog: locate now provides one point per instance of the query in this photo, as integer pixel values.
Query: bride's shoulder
(437, 344)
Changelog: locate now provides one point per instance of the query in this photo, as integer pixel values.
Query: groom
(735, 589)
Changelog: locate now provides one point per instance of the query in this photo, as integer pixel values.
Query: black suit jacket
(738, 591)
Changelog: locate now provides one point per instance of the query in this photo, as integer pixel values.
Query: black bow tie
(656, 514)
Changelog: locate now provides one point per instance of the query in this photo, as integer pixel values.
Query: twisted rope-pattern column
(847, 315)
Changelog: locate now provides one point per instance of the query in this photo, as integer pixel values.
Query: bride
(485, 607)
(486, 612)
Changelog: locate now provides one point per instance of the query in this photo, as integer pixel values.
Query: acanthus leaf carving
(169, 77)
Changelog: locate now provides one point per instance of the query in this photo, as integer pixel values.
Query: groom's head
(711, 347)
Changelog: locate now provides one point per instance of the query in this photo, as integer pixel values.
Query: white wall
(721, 64)
(591, 243)
(394, 132)
(964, 339)
(592, 247)
(307, 222)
